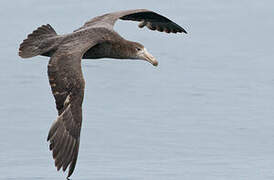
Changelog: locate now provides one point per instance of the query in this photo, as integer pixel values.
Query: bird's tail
(40, 41)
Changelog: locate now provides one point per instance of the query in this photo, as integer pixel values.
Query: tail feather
(38, 42)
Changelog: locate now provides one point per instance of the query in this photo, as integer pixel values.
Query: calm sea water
(205, 113)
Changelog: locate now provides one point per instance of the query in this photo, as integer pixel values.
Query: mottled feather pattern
(67, 84)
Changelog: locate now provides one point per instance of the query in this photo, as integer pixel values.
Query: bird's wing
(147, 18)
(67, 85)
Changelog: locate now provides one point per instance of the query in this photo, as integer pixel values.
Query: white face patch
(141, 53)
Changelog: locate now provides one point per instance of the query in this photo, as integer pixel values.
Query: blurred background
(206, 112)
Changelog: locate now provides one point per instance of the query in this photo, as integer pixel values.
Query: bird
(95, 39)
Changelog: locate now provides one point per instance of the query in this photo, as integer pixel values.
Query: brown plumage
(95, 39)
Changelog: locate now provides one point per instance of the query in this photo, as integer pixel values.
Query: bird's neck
(122, 50)
(110, 49)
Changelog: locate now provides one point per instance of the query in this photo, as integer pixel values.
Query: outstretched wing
(147, 18)
(67, 85)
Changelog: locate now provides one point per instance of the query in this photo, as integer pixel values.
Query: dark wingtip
(183, 30)
(177, 29)
(180, 29)
(48, 138)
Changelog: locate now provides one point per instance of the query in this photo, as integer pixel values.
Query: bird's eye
(138, 49)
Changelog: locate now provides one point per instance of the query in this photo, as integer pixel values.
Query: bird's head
(140, 52)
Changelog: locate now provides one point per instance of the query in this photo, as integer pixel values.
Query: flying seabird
(95, 39)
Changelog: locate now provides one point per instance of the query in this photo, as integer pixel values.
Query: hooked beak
(145, 55)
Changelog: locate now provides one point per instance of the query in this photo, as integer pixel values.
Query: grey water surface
(205, 113)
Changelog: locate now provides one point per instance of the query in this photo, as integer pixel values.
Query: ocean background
(205, 113)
